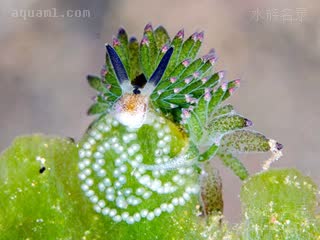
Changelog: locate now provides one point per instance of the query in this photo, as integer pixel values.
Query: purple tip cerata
(279, 146)
(148, 28)
(180, 34)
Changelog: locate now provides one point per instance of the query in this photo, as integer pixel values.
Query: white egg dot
(110, 190)
(155, 184)
(89, 181)
(85, 187)
(150, 216)
(89, 193)
(130, 151)
(145, 180)
(158, 152)
(81, 153)
(175, 201)
(137, 217)
(157, 212)
(101, 149)
(82, 176)
(125, 138)
(132, 136)
(98, 136)
(161, 190)
(189, 171)
(86, 162)
(158, 160)
(144, 213)
(125, 215)
(122, 179)
(117, 184)
(112, 212)
(124, 156)
(142, 170)
(101, 187)
(186, 196)
(97, 208)
(110, 197)
(101, 203)
(166, 150)
(106, 146)
(100, 126)
(105, 211)
(188, 189)
(170, 208)
(160, 134)
(97, 155)
(116, 173)
(136, 201)
(134, 164)
(101, 162)
(93, 133)
(86, 145)
(118, 162)
(101, 173)
(107, 182)
(127, 191)
(87, 171)
(147, 195)
(161, 144)
(117, 218)
(130, 220)
(136, 147)
(137, 174)
(140, 191)
(139, 158)
(91, 141)
(114, 140)
(94, 199)
(156, 173)
(176, 178)
(96, 167)
(88, 153)
(106, 129)
(181, 181)
(182, 201)
(120, 149)
(163, 206)
(123, 168)
(167, 138)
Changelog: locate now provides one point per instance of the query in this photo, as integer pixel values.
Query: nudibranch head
(132, 106)
(131, 110)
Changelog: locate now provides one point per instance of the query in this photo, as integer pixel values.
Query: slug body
(161, 117)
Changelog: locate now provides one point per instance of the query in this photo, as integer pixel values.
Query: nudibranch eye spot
(114, 175)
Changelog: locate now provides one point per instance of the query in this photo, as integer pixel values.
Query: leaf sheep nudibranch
(161, 116)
